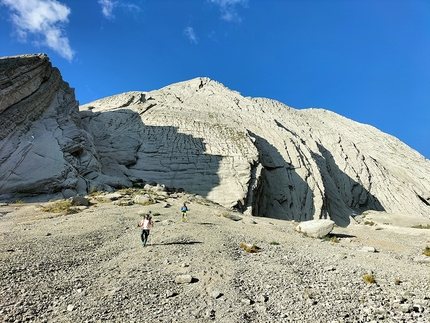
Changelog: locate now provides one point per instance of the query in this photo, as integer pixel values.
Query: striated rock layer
(257, 155)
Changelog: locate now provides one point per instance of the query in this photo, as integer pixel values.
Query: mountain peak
(255, 155)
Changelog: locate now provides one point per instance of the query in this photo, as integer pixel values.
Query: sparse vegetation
(249, 248)
(369, 278)
(61, 206)
(274, 243)
(146, 203)
(19, 202)
(101, 199)
(369, 223)
(94, 191)
(128, 190)
(331, 238)
(421, 226)
(397, 281)
(308, 293)
(426, 251)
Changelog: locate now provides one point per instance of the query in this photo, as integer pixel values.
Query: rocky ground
(91, 267)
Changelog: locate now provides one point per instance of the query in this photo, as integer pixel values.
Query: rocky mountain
(256, 155)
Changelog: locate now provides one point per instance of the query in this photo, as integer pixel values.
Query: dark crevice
(423, 200)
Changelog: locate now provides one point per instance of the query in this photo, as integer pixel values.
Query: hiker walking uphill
(184, 210)
(146, 224)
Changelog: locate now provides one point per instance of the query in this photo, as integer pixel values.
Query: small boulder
(142, 199)
(368, 249)
(183, 279)
(79, 201)
(315, 228)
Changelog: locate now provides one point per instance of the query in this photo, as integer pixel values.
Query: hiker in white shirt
(146, 224)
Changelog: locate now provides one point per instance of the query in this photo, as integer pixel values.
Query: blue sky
(368, 60)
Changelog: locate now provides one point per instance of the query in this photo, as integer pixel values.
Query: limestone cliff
(40, 131)
(256, 155)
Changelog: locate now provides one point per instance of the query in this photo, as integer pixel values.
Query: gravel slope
(91, 267)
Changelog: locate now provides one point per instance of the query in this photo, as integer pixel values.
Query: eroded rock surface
(256, 155)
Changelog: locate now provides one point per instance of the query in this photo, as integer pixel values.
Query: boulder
(315, 228)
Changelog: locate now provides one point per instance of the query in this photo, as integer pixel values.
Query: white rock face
(255, 155)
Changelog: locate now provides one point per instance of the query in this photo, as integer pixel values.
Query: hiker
(146, 224)
(184, 210)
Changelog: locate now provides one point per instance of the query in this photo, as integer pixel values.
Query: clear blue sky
(368, 60)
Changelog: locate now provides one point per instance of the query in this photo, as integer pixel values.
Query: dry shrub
(369, 278)
(150, 202)
(128, 190)
(397, 281)
(249, 248)
(421, 226)
(59, 207)
(426, 251)
(331, 238)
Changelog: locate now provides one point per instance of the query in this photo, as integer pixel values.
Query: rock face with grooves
(256, 155)
(41, 135)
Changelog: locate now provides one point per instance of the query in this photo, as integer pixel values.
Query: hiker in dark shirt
(184, 210)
